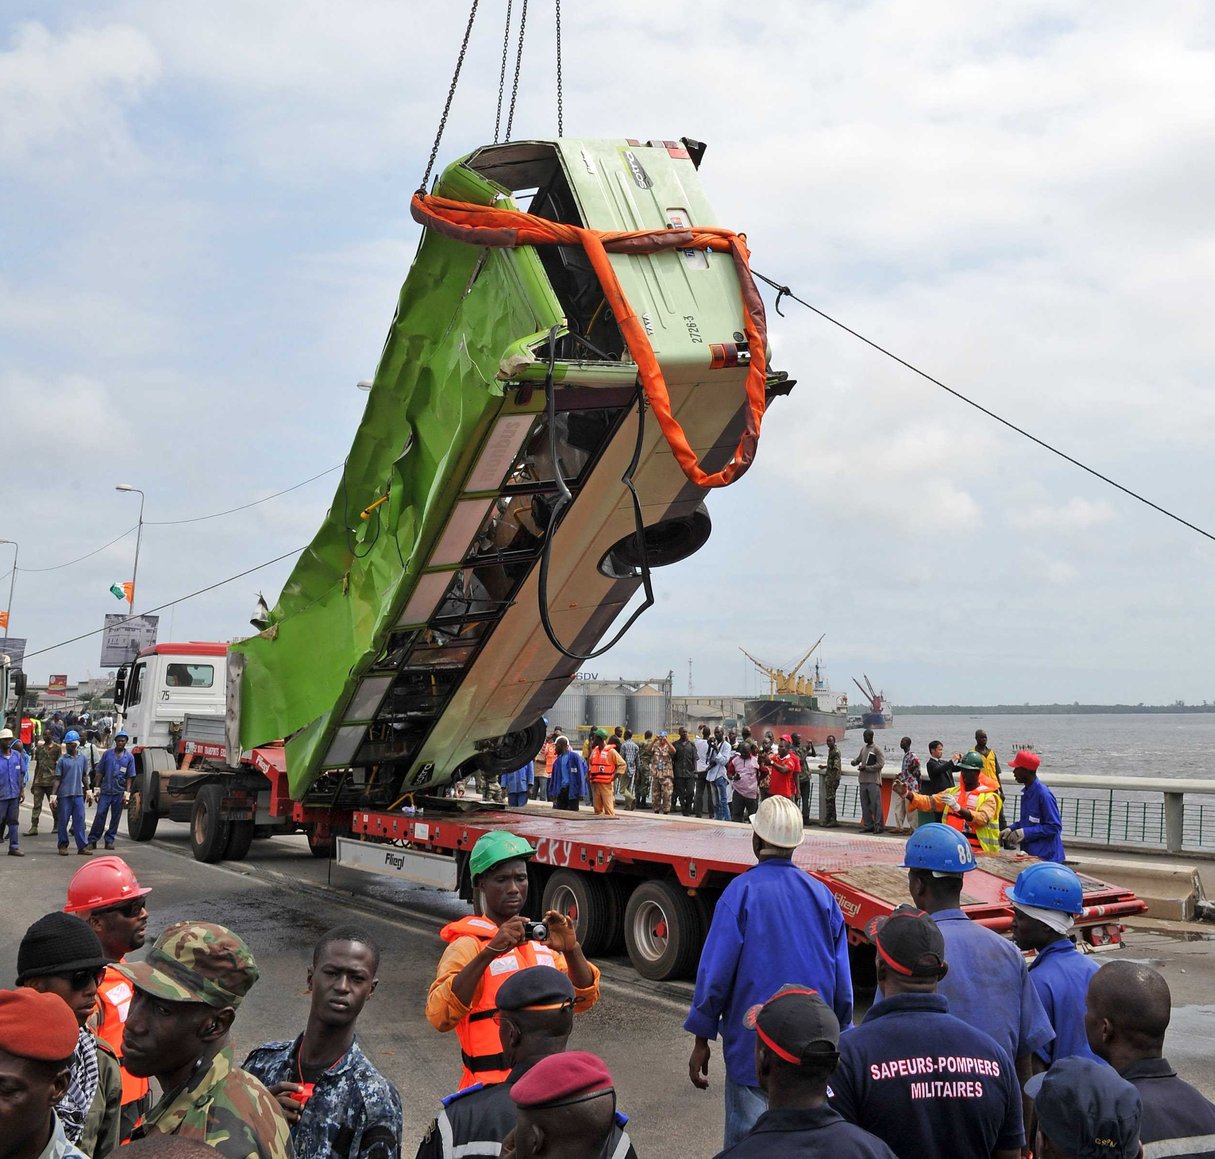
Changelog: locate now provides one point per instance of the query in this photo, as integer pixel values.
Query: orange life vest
(602, 766)
(480, 1043)
(549, 755)
(987, 837)
(113, 1003)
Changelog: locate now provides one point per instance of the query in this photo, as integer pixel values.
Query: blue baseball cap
(1087, 1109)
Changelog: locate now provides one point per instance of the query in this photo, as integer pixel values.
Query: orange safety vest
(480, 1043)
(987, 838)
(602, 767)
(549, 755)
(114, 1002)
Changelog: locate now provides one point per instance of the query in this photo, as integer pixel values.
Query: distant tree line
(1073, 709)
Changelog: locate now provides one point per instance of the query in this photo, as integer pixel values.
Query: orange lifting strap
(488, 225)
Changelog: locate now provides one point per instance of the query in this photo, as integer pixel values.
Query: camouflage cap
(195, 962)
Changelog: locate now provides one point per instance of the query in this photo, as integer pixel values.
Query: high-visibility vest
(480, 1043)
(549, 754)
(114, 1003)
(987, 837)
(602, 766)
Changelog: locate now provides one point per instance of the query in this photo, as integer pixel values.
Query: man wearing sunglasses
(60, 955)
(109, 899)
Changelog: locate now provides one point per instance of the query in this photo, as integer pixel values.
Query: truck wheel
(321, 846)
(662, 931)
(208, 833)
(239, 841)
(589, 903)
(141, 826)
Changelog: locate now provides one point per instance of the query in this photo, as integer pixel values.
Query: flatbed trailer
(650, 882)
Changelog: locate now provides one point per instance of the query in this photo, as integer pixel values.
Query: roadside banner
(56, 686)
(14, 648)
(125, 637)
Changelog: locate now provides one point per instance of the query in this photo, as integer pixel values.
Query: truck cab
(163, 684)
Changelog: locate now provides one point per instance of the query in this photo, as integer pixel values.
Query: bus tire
(662, 931)
(587, 901)
(209, 833)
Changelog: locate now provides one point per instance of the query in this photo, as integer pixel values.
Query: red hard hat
(105, 881)
(1026, 760)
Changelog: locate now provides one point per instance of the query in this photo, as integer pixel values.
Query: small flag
(4, 620)
(128, 590)
(117, 592)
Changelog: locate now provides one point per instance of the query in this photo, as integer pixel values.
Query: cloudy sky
(204, 226)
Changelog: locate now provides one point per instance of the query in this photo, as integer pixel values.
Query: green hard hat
(972, 760)
(600, 734)
(494, 848)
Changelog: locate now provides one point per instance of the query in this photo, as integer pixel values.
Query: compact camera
(536, 931)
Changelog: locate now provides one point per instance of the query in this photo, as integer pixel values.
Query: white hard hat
(778, 821)
(6, 734)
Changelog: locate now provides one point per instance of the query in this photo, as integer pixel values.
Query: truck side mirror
(120, 685)
(19, 684)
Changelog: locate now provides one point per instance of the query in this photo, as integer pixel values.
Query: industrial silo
(648, 709)
(607, 705)
(570, 710)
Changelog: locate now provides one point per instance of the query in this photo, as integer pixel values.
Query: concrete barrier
(1172, 890)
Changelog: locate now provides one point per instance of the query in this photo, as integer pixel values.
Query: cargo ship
(879, 713)
(797, 704)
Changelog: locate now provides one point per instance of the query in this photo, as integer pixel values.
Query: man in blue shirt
(1045, 899)
(334, 1099)
(13, 775)
(988, 984)
(926, 1082)
(68, 794)
(773, 924)
(796, 1050)
(1039, 831)
(114, 774)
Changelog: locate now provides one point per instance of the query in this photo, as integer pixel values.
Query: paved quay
(281, 899)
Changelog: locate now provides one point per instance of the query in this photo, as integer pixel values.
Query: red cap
(38, 1026)
(562, 1078)
(786, 736)
(1026, 760)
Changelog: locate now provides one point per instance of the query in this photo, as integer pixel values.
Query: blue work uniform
(71, 772)
(926, 1082)
(354, 1111)
(988, 986)
(517, 785)
(1040, 823)
(1178, 1120)
(773, 924)
(14, 767)
(818, 1133)
(1061, 974)
(114, 773)
(568, 784)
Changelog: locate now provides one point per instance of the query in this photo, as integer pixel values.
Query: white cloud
(1075, 515)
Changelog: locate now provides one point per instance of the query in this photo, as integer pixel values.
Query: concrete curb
(1172, 890)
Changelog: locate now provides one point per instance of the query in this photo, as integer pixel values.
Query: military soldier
(831, 782)
(187, 991)
(46, 755)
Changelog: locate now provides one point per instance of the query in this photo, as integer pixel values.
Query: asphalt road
(282, 899)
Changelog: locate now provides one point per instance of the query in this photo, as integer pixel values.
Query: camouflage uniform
(45, 757)
(220, 1105)
(353, 1112)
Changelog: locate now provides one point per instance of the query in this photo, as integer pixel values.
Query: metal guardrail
(1174, 815)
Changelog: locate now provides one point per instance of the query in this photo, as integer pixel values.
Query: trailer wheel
(141, 826)
(662, 931)
(209, 833)
(589, 903)
(239, 841)
(321, 847)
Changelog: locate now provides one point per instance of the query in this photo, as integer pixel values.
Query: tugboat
(805, 705)
(879, 714)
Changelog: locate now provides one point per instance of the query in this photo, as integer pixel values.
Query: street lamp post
(138, 539)
(8, 614)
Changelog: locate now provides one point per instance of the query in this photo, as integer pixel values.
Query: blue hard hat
(122, 732)
(1048, 886)
(71, 735)
(939, 848)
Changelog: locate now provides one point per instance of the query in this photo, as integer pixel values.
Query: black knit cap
(57, 944)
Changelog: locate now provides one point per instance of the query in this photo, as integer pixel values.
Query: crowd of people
(725, 773)
(967, 1049)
